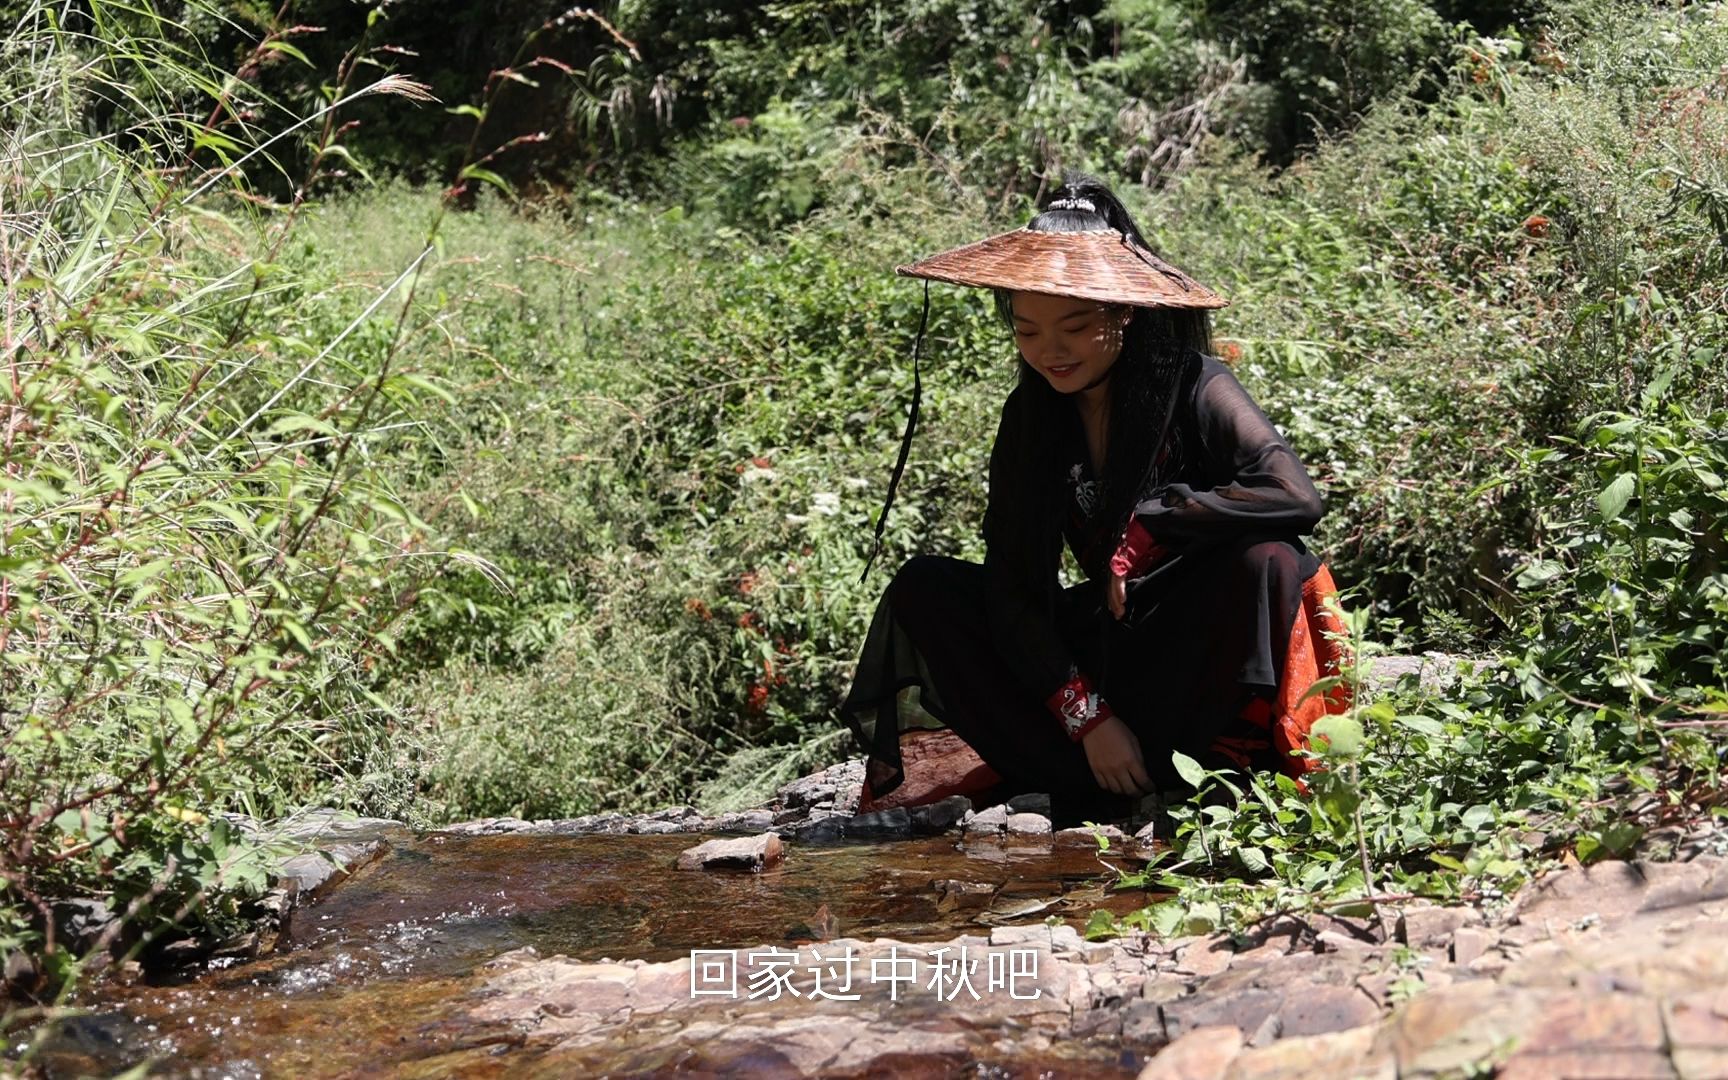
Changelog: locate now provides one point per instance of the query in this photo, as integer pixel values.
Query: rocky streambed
(938, 942)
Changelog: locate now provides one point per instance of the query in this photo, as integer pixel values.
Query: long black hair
(1143, 446)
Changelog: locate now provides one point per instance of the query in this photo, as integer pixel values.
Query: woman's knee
(1275, 561)
(926, 579)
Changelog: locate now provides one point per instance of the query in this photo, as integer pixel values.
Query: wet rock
(1088, 837)
(893, 824)
(19, 968)
(963, 895)
(326, 827)
(508, 961)
(487, 827)
(1030, 803)
(993, 820)
(80, 923)
(748, 821)
(939, 817)
(312, 874)
(588, 823)
(752, 853)
(1143, 1021)
(1027, 825)
(825, 831)
(655, 828)
(1009, 908)
(1201, 1054)
(831, 787)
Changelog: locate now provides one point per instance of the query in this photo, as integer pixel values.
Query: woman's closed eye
(1079, 326)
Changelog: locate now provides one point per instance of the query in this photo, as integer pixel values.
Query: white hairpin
(1073, 202)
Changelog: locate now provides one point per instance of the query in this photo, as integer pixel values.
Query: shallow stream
(373, 978)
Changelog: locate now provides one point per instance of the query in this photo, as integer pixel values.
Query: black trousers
(1199, 647)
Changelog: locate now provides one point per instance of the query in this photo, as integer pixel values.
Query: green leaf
(487, 176)
(1538, 572)
(1337, 736)
(287, 50)
(1165, 917)
(1615, 496)
(1202, 918)
(1188, 769)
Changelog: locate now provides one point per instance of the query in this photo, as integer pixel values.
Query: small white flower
(855, 483)
(797, 519)
(754, 473)
(826, 503)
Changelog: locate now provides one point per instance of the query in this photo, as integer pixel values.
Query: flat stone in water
(753, 853)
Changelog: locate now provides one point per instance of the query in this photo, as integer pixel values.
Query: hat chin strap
(906, 439)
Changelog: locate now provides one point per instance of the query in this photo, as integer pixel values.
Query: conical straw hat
(1100, 264)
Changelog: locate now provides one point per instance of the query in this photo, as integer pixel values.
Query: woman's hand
(1117, 595)
(1114, 754)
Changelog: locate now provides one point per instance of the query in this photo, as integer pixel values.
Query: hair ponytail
(1083, 203)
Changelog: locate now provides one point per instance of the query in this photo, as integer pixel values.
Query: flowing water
(375, 977)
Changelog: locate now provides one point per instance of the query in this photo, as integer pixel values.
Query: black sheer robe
(1206, 626)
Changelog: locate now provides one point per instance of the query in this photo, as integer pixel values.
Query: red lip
(1062, 372)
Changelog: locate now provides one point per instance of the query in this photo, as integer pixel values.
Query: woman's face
(1072, 343)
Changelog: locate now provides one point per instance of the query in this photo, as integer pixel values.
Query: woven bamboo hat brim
(1102, 265)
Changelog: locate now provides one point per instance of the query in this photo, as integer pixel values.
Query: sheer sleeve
(1022, 551)
(1258, 484)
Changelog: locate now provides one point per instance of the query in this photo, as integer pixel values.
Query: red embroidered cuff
(1079, 707)
(1137, 553)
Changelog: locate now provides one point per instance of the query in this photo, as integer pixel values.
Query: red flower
(762, 462)
(757, 699)
(696, 606)
(1229, 352)
(747, 620)
(1536, 225)
(746, 583)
